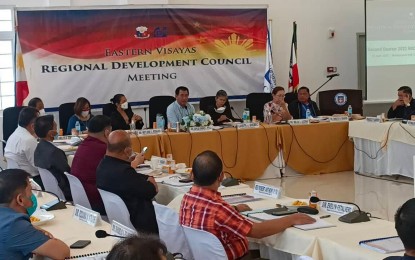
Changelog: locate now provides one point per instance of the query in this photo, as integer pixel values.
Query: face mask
(32, 209)
(42, 112)
(84, 113)
(124, 105)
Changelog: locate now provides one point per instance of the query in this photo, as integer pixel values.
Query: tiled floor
(380, 197)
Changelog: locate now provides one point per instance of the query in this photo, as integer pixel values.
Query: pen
(325, 216)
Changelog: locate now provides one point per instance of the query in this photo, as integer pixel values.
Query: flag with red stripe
(294, 78)
(21, 87)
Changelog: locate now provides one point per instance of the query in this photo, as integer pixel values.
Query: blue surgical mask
(32, 209)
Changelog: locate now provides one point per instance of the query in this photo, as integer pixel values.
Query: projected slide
(390, 47)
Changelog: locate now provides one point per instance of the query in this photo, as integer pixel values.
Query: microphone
(236, 113)
(102, 233)
(333, 75)
(356, 216)
(230, 181)
(53, 205)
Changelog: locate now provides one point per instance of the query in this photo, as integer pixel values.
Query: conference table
(340, 242)
(383, 148)
(248, 153)
(64, 227)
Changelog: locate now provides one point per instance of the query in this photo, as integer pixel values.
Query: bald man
(115, 174)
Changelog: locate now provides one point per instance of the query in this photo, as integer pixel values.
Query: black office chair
(65, 112)
(255, 102)
(290, 97)
(206, 102)
(158, 105)
(10, 122)
(107, 109)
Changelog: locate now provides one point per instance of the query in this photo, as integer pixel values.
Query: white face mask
(84, 113)
(124, 105)
(42, 112)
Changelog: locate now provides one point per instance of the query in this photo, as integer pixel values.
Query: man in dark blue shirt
(18, 237)
(405, 226)
(299, 107)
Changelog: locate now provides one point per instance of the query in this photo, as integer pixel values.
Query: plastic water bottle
(307, 114)
(132, 125)
(268, 119)
(245, 116)
(349, 110)
(78, 127)
(160, 121)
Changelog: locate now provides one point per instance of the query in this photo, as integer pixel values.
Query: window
(7, 92)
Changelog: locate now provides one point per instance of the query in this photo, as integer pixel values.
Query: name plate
(195, 129)
(267, 190)
(85, 215)
(336, 207)
(119, 229)
(148, 132)
(410, 122)
(339, 119)
(372, 119)
(299, 121)
(247, 125)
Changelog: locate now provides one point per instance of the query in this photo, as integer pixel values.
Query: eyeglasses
(281, 96)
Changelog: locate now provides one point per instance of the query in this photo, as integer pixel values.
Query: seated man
(299, 107)
(87, 157)
(19, 239)
(50, 157)
(405, 226)
(179, 108)
(404, 106)
(115, 174)
(38, 104)
(203, 208)
(21, 145)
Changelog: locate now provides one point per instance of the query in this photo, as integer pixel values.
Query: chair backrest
(170, 230)
(255, 102)
(78, 192)
(12, 164)
(158, 105)
(10, 121)
(116, 208)
(206, 102)
(337, 101)
(107, 109)
(204, 245)
(50, 183)
(65, 112)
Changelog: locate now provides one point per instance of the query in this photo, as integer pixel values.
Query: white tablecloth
(396, 156)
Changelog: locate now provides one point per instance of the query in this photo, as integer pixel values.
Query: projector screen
(390, 47)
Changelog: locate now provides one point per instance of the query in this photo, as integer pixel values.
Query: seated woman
(276, 110)
(82, 115)
(38, 104)
(219, 112)
(123, 115)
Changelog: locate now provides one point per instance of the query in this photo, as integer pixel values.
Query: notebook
(384, 245)
(320, 223)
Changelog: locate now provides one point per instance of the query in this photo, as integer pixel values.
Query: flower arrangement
(196, 120)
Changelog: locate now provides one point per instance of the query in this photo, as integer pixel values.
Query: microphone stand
(327, 81)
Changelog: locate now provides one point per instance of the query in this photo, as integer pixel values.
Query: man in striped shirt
(203, 208)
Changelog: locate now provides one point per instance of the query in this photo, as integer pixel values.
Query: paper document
(262, 216)
(240, 199)
(320, 223)
(384, 245)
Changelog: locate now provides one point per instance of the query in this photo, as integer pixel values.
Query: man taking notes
(18, 237)
(203, 208)
(404, 106)
(179, 108)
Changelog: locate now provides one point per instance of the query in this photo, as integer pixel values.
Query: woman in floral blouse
(276, 110)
